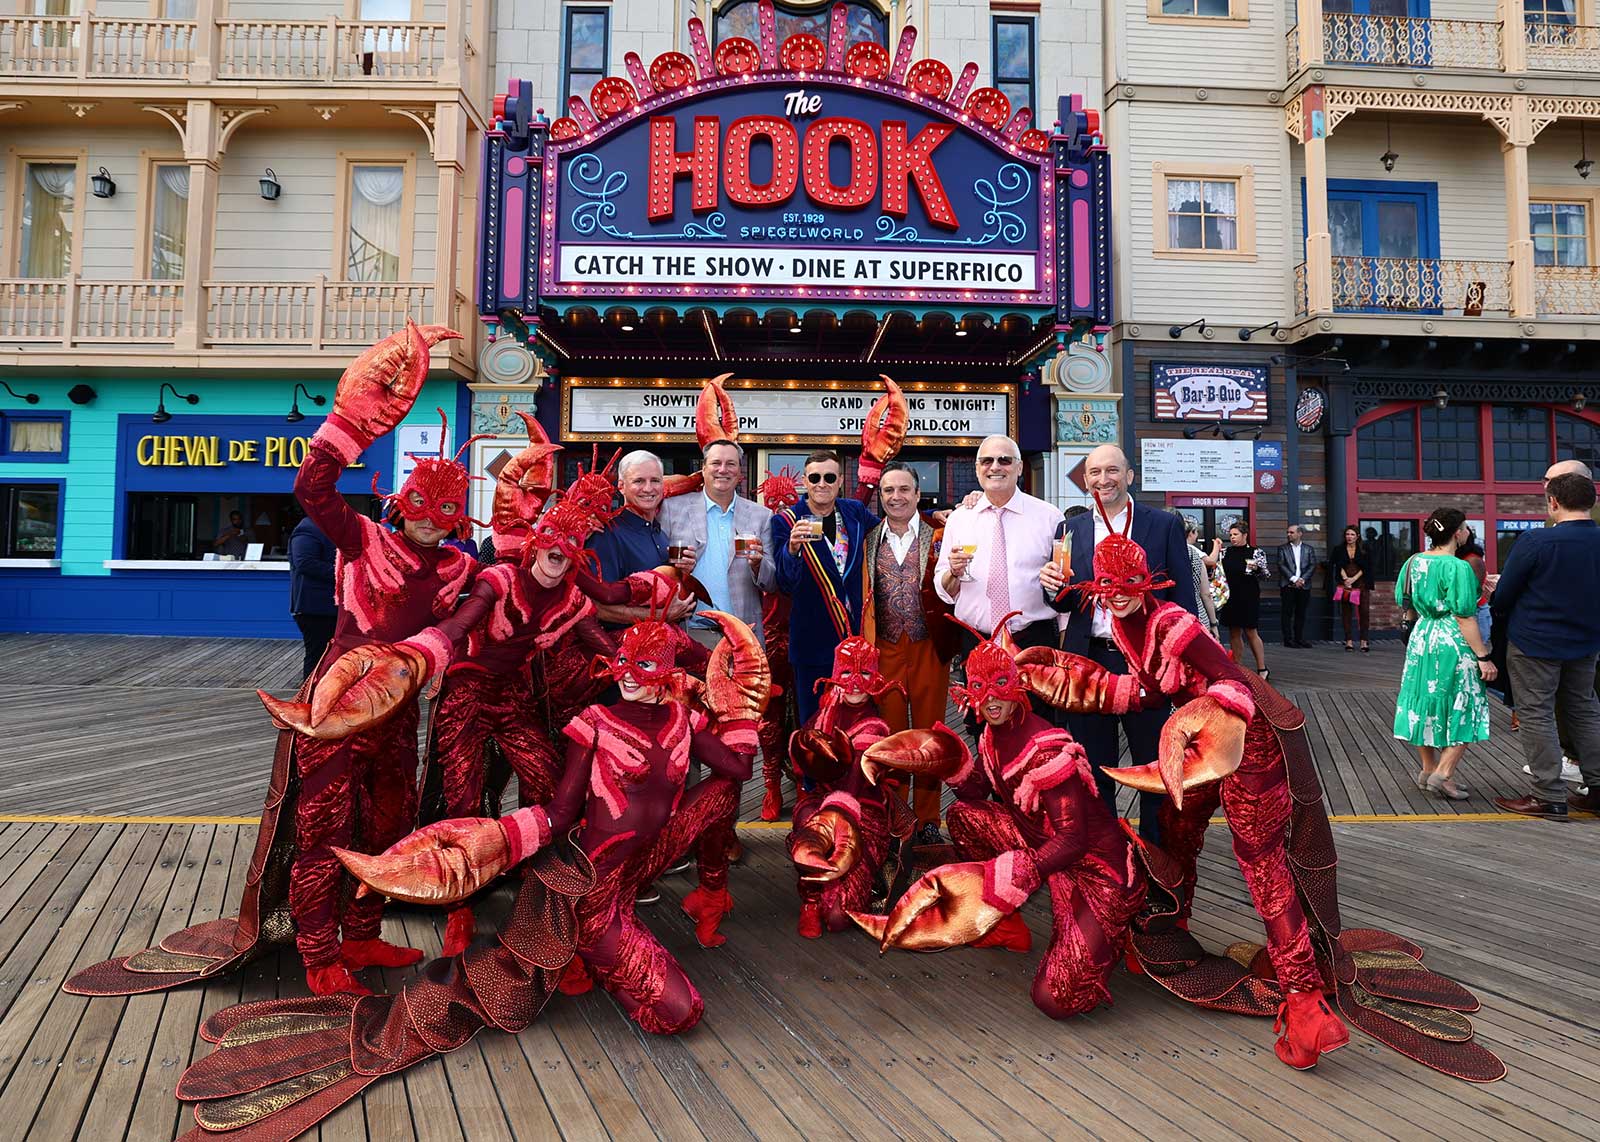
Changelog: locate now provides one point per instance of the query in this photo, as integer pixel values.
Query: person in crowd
(1108, 475)
(1553, 641)
(311, 555)
(819, 544)
(635, 541)
(1297, 563)
(707, 526)
(464, 544)
(1350, 568)
(905, 620)
(1241, 614)
(1207, 607)
(1472, 553)
(1442, 707)
(231, 540)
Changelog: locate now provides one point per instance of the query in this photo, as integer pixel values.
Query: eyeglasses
(822, 477)
(1001, 461)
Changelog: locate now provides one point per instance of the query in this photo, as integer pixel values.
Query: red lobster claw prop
(884, 431)
(1075, 684)
(826, 847)
(1202, 742)
(445, 862)
(662, 586)
(938, 753)
(362, 689)
(380, 386)
(522, 488)
(738, 676)
(714, 419)
(945, 908)
(822, 755)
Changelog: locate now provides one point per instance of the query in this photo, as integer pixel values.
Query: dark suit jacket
(1308, 559)
(310, 570)
(1160, 533)
(812, 636)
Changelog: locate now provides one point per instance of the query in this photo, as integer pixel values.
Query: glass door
(1384, 249)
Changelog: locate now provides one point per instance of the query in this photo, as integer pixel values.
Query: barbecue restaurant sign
(813, 169)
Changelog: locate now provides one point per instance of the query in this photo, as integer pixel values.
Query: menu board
(1197, 466)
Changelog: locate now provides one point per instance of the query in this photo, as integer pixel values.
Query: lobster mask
(647, 656)
(781, 490)
(439, 486)
(1120, 567)
(992, 676)
(565, 528)
(595, 490)
(855, 670)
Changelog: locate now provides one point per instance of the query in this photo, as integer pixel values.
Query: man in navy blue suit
(1108, 474)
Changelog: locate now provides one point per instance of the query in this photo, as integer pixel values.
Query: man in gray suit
(1297, 563)
(713, 521)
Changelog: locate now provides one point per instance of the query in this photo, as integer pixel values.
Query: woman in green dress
(1442, 705)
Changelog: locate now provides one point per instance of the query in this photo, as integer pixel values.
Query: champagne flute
(968, 549)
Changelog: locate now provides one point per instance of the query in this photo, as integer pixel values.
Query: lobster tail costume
(1237, 742)
(343, 771)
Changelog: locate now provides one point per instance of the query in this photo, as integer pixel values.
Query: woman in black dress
(1241, 614)
(1352, 570)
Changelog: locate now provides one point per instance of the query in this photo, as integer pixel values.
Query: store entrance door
(1214, 515)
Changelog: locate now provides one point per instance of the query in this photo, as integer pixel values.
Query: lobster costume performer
(283, 1065)
(344, 771)
(842, 826)
(1237, 742)
(1027, 814)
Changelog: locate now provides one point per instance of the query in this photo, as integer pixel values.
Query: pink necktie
(999, 590)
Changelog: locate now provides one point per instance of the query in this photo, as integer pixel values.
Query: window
(865, 22)
(377, 216)
(1521, 441)
(30, 515)
(33, 436)
(1390, 542)
(1550, 11)
(1172, 10)
(1577, 439)
(1209, 211)
(1013, 59)
(1451, 436)
(587, 46)
(1560, 233)
(169, 220)
(1386, 449)
(48, 225)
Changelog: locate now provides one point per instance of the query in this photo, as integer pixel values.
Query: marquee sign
(823, 172)
(782, 412)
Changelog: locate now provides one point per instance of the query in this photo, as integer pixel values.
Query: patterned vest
(898, 595)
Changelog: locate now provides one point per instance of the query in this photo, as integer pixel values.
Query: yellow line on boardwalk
(83, 819)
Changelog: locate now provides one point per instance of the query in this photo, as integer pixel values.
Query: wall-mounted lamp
(1245, 334)
(1388, 158)
(1441, 397)
(31, 398)
(1176, 331)
(1585, 165)
(102, 185)
(270, 188)
(1214, 427)
(1579, 400)
(295, 416)
(161, 415)
(1234, 432)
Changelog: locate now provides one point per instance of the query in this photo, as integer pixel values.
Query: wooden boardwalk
(805, 1039)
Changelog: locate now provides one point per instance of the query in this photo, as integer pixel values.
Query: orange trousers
(927, 680)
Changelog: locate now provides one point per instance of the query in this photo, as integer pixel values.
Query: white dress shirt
(1298, 574)
(901, 545)
(1030, 525)
(1101, 627)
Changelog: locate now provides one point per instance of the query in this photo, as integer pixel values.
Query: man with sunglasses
(819, 544)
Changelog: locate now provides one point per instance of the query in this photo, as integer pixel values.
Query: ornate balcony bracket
(421, 116)
(175, 113)
(230, 119)
(13, 105)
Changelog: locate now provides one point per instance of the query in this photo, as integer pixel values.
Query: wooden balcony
(1447, 286)
(297, 52)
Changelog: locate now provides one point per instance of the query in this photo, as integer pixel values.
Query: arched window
(866, 21)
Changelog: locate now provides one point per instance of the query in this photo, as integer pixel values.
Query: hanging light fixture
(1388, 158)
(31, 398)
(295, 416)
(102, 185)
(161, 415)
(1441, 398)
(1585, 164)
(1580, 399)
(270, 188)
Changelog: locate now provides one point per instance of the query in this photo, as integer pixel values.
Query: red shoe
(459, 928)
(333, 979)
(375, 953)
(810, 927)
(1309, 1029)
(707, 907)
(772, 803)
(576, 980)
(1011, 934)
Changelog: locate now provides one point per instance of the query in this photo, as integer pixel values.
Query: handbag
(1219, 586)
(1351, 595)
(1408, 613)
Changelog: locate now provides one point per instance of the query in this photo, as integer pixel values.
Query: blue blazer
(1161, 535)
(812, 636)
(310, 570)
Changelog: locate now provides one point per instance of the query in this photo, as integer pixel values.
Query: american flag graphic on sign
(1209, 392)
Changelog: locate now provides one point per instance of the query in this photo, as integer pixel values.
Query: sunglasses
(822, 477)
(1002, 461)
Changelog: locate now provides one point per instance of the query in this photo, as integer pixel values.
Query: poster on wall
(1197, 466)
(415, 442)
(1183, 391)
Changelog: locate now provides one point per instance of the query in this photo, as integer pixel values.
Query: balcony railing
(1400, 41)
(1300, 290)
(329, 51)
(1563, 47)
(239, 315)
(1564, 290)
(1446, 286)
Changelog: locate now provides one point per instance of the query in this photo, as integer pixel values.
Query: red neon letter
(863, 162)
(912, 162)
(667, 165)
(785, 159)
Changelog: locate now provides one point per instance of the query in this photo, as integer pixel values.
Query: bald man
(1108, 474)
